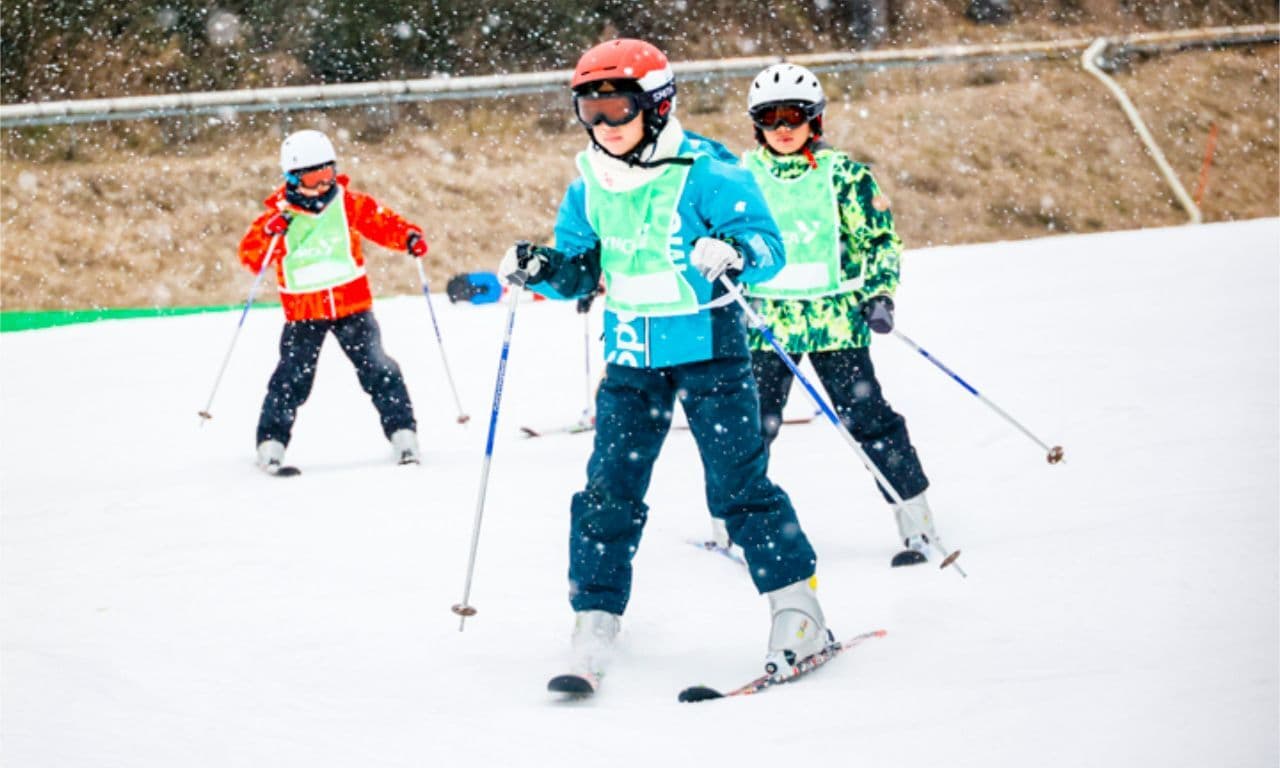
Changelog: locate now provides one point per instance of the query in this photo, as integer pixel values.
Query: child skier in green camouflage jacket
(837, 286)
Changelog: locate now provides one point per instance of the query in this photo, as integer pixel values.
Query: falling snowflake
(223, 28)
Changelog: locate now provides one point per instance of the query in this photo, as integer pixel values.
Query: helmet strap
(808, 155)
(815, 136)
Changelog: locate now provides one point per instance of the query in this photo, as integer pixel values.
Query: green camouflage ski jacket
(870, 248)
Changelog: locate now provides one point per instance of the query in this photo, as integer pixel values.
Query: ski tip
(698, 693)
(529, 432)
(573, 685)
(880, 633)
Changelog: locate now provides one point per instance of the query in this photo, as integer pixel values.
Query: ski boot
(270, 456)
(405, 444)
(915, 528)
(594, 634)
(799, 630)
(720, 541)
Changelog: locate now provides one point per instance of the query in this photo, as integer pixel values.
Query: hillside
(149, 214)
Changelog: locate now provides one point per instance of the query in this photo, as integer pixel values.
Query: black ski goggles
(612, 109)
(773, 116)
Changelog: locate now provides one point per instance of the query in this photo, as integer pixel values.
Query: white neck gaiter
(617, 176)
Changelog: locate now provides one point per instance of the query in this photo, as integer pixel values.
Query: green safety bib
(318, 254)
(639, 232)
(808, 215)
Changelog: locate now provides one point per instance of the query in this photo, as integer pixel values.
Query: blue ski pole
(464, 608)
(205, 415)
(1052, 455)
(463, 418)
(757, 322)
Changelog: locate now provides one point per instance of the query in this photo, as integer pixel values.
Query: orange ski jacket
(366, 217)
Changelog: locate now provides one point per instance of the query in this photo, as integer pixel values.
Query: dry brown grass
(967, 153)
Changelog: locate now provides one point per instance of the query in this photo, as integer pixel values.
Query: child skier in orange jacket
(316, 249)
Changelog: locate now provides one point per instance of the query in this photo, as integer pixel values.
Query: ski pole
(205, 415)
(463, 418)
(584, 309)
(464, 608)
(1052, 455)
(757, 322)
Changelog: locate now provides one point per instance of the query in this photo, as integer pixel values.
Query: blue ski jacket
(720, 200)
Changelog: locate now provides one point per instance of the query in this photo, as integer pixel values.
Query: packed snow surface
(166, 604)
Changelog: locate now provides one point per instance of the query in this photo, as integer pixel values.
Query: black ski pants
(361, 340)
(850, 381)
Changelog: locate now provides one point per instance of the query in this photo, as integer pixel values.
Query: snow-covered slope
(165, 604)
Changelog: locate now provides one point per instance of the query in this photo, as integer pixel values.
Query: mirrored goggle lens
(613, 110)
(774, 116)
(317, 177)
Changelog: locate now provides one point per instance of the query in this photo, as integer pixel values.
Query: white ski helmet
(787, 83)
(306, 149)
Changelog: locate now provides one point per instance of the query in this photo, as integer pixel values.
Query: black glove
(878, 312)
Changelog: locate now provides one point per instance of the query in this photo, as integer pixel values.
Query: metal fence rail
(229, 103)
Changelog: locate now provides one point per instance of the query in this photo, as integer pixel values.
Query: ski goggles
(772, 116)
(612, 109)
(314, 178)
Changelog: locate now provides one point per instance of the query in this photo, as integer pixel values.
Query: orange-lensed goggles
(773, 116)
(612, 109)
(313, 178)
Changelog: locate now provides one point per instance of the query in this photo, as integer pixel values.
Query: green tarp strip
(19, 320)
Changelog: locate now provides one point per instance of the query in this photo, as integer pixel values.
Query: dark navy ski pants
(633, 415)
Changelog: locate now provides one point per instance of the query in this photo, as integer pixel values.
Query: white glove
(714, 257)
(510, 264)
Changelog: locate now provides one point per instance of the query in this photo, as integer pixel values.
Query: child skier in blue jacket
(660, 214)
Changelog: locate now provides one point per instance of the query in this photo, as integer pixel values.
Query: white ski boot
(405, 444)
(720, 540)
(915, 529)
(720, 533)
(270, 456)
(594, 633)
(798, 631)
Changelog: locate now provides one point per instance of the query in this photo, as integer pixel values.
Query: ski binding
(765, 682)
